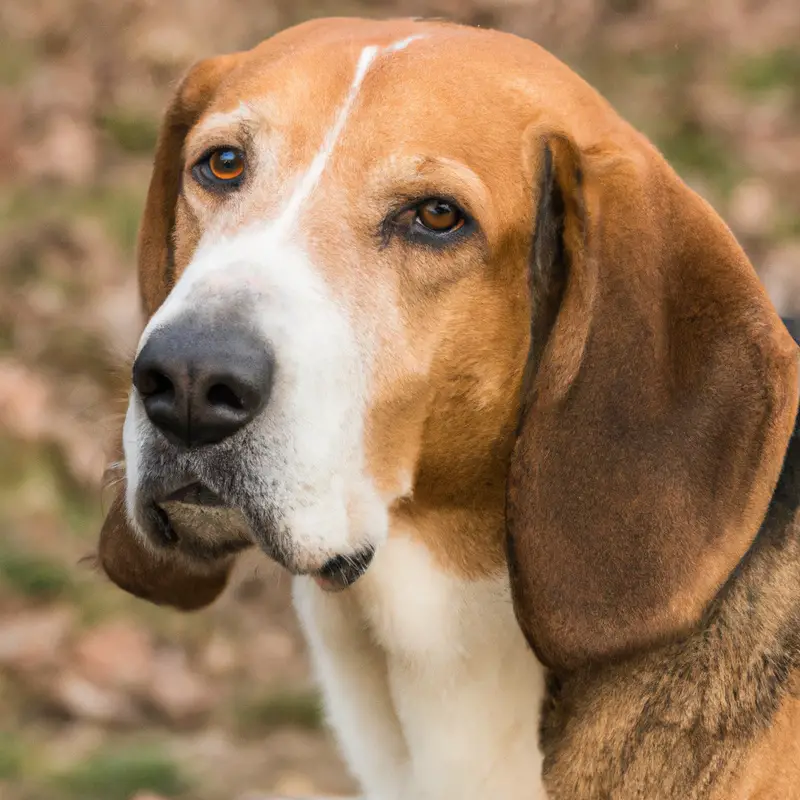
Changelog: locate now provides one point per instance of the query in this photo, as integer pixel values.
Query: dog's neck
(457, 507)
(677, 721)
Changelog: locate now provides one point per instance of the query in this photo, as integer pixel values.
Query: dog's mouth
(196, 494)
(206, 526)
(198, 520)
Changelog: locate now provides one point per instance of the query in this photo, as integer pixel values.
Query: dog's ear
(657, 404)
(156, 246)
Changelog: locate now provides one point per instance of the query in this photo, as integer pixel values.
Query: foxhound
(434, 328)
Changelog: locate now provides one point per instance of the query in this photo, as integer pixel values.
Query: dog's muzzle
(202, 381)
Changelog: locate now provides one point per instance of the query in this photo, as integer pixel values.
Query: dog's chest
(466, 689)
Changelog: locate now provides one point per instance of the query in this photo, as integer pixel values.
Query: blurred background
(103, 697)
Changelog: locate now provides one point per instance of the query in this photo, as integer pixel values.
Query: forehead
(414, 89)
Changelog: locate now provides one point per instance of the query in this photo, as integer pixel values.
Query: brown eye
(226, 165)
(439, 216)
(223, 168)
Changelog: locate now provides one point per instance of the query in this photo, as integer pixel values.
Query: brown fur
(656, 423)
(658, 387)
(713, 716)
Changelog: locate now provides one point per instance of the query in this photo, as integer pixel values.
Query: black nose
(200, 382)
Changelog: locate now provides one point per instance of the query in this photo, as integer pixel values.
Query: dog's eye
(226, 165)
(439, 216)
(222, 168)
(431, 222)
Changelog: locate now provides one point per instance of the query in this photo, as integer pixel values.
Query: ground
(101, 696)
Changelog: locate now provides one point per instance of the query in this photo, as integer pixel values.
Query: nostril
(153, 382)
(221, 395)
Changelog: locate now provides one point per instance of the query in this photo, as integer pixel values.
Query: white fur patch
(224, 120)
(430, 685)
(403, 43)
(309, 439)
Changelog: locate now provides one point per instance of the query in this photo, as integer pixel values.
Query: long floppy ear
(657, 404)
(156, 248)
(176, 576)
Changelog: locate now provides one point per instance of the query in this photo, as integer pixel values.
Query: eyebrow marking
(242, 114)
(313, 174)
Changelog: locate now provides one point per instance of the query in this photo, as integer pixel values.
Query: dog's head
(392, 265)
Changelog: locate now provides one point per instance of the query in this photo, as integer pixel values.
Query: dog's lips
(161, 526)
(192, 494)
(198, 520)
(196, 494)
(342, 571)
(175, 516)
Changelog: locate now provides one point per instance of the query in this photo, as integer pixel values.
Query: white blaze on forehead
(314, 172)
(312, 176)
(403, 43)
(307, 446)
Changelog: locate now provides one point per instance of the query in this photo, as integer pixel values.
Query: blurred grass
(17, 59)
(12, 756)
(694, 150)
(34, 476)
(34, 576)
(787, 226)
(119, 773)
(667, 65)
(118, 209)
(280, 708)
(66, 351)
(131, 132)
(767, 71)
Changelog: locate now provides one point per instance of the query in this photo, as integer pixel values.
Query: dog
(434, 328)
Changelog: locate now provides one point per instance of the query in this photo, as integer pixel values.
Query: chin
(203, 525)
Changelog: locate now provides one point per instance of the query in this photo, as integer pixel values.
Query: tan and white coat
(561, 432)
